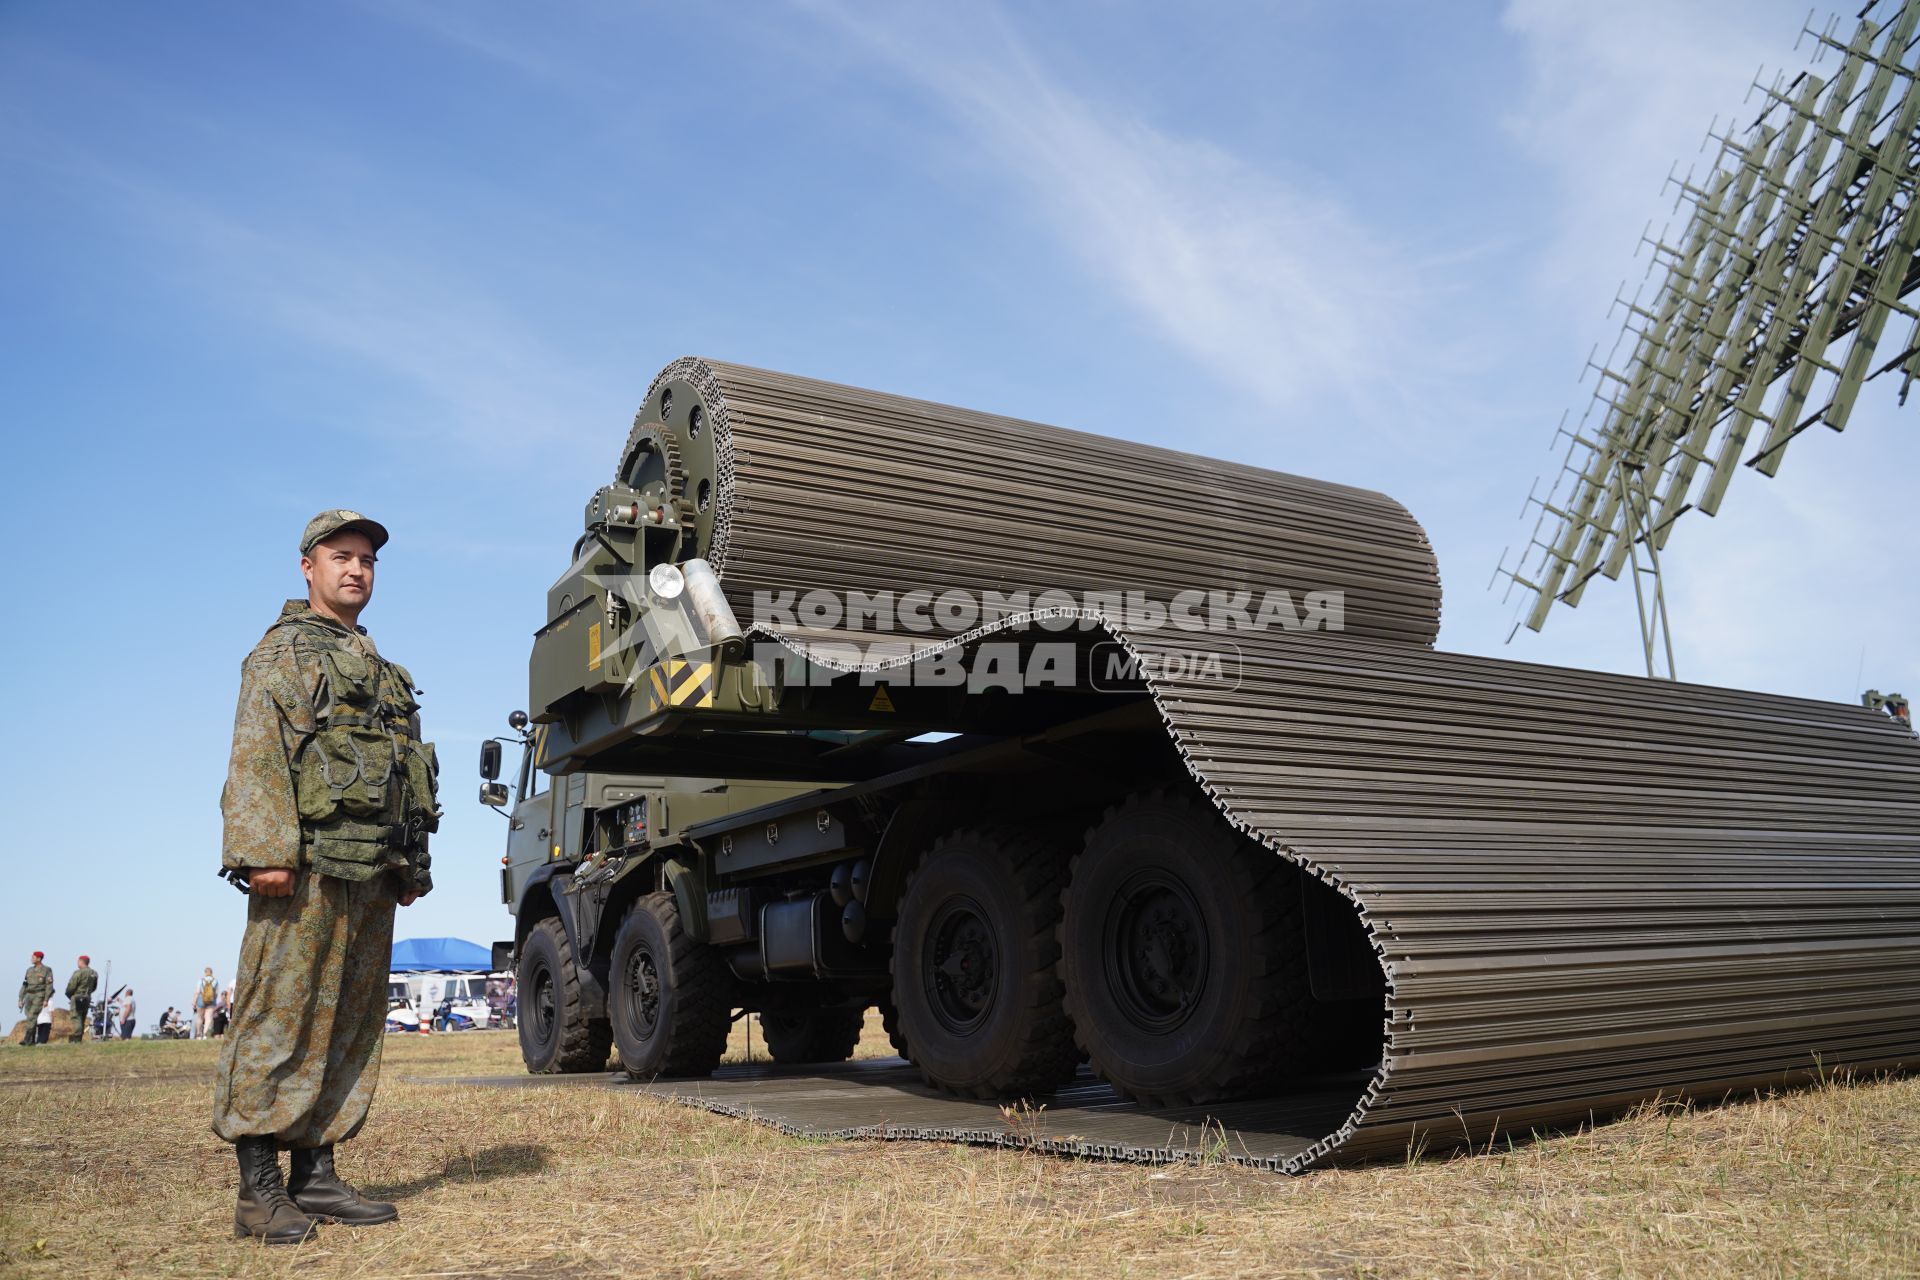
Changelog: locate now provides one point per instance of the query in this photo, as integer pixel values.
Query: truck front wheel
(974, 967)
(556, 1035)
(669, 1000)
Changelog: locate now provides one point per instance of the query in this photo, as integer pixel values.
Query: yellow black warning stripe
(682, 682)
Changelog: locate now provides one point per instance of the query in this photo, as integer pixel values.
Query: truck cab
(580, 849)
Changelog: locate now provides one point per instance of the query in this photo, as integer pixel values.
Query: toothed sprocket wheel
(651, 455)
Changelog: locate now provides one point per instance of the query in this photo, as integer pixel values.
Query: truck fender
(689, 896)
(593, 983)
(537, 901)
(910, 831)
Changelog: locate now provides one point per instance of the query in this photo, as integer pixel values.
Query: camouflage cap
(338, 520)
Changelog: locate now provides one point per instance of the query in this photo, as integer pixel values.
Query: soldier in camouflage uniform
(35, 990)
(329, 796)
(80, 989)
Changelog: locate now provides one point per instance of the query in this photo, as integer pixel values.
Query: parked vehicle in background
(423, 993)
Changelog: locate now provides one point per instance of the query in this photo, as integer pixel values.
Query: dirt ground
(107, 1167)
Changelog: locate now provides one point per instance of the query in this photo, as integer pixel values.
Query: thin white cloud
(1264, 280)
(1616, 95)
(527, 47)
(459, 366)
(483, 378)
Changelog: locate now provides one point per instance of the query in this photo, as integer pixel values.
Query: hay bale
(62, 1028)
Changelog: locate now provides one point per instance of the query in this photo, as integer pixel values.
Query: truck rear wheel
(668, 1001)
(556, 1035)
(824, 1035)
(974, 959)
(1183, 956)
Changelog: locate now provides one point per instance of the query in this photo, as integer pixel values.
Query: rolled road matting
(1584, 889)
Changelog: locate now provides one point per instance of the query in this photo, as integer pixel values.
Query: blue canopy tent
(440, 955)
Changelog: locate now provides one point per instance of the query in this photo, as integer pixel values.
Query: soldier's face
(339, 572)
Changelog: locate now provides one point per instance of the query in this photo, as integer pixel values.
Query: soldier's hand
(271, 883)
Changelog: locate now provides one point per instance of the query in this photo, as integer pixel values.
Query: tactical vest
(366, 786)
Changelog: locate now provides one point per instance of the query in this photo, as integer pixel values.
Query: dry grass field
(107, 1168)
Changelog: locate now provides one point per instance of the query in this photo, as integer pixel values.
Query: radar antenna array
(1798, 248)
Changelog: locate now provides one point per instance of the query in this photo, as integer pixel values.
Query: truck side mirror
(493, 794)
(490, 759)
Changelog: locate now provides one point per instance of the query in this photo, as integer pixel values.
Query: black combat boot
(265, 1209)
(318, 1191)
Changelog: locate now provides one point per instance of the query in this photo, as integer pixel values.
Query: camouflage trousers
(302, 1050)
(30, 1009)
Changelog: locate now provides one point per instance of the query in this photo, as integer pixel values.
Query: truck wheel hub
(1157, 953)
(545, 1009)
(961, 966)
(643, 992)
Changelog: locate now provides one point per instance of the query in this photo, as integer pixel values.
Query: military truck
(710, 819)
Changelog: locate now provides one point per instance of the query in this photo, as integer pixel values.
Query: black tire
(1183, 957)
(824, 1035)
(556, 1035)
(668, 996)
(975, 967)
(890, 1023)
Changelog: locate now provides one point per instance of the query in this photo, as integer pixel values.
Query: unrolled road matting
(884, 1098)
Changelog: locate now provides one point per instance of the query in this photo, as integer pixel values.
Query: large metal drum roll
(799, 483)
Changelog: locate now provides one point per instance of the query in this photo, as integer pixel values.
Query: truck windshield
(532, 781)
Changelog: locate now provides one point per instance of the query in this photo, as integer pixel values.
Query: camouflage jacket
(283, 683)
(37, 985)
(83, 983)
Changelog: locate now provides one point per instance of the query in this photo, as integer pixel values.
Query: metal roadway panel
(884, 1098)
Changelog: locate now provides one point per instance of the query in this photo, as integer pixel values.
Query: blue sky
(422, 259)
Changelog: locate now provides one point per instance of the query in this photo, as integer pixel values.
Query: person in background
(126, 1014)
(205, 997)
(35, 990)
(223, 1012)
(80, 989)
(42, 1029)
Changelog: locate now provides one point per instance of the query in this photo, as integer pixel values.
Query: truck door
(570, 830)
(531, 840)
